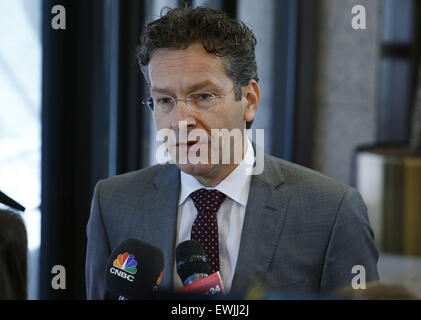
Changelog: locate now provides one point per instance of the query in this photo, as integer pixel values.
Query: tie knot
(207, 200)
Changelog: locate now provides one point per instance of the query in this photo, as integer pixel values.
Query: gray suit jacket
(303, 232)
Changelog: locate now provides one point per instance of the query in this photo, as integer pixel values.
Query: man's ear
(251, 96)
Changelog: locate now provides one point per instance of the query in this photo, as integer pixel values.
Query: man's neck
(212, 180)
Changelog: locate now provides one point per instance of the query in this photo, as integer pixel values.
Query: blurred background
(340, 100)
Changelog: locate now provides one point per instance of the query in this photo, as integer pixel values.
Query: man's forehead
(191, 66)
(191, 56)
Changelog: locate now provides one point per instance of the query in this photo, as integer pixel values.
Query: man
(13, 251)
(288, 228)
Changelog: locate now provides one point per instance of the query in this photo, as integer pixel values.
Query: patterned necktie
(205, 227)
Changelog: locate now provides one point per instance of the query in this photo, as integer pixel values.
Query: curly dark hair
(219, 34)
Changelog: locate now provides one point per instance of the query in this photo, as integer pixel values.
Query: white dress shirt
(230, 215)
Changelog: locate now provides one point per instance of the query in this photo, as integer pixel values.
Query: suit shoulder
(142, 178)
(300, 176)
(314, 197)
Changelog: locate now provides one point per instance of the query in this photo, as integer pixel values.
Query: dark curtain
(284, 79)
(133, 120)
(305, 96)
(91, 124)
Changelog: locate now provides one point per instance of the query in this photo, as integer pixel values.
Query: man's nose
(183, 112)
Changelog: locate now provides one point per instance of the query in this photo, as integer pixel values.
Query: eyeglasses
(201, 101)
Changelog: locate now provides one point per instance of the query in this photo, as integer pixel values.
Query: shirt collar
(236, 185)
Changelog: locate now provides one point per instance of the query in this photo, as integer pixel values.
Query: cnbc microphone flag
(134, 269)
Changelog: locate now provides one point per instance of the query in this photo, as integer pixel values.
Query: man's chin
(196, 169)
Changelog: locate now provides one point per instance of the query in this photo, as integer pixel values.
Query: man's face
(178, 73)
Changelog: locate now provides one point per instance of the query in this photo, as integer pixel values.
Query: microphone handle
(194, 277)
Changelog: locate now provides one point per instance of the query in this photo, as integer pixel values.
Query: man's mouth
(188, 144)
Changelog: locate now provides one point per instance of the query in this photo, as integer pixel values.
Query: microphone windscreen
(134, 269)
(190, 259)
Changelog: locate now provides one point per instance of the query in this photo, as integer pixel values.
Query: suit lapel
(161, 222)
(264, 218)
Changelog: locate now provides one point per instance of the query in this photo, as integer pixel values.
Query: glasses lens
(165, 104)
(203, 100)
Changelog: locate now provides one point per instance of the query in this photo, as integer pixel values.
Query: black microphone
(191, 261)
(195, 271)
(134, 270)
(4, 199)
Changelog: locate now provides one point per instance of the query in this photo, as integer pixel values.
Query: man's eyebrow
(163, 90)
(200, 85)
(192, 88)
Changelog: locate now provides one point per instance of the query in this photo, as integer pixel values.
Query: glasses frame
(187, 100)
